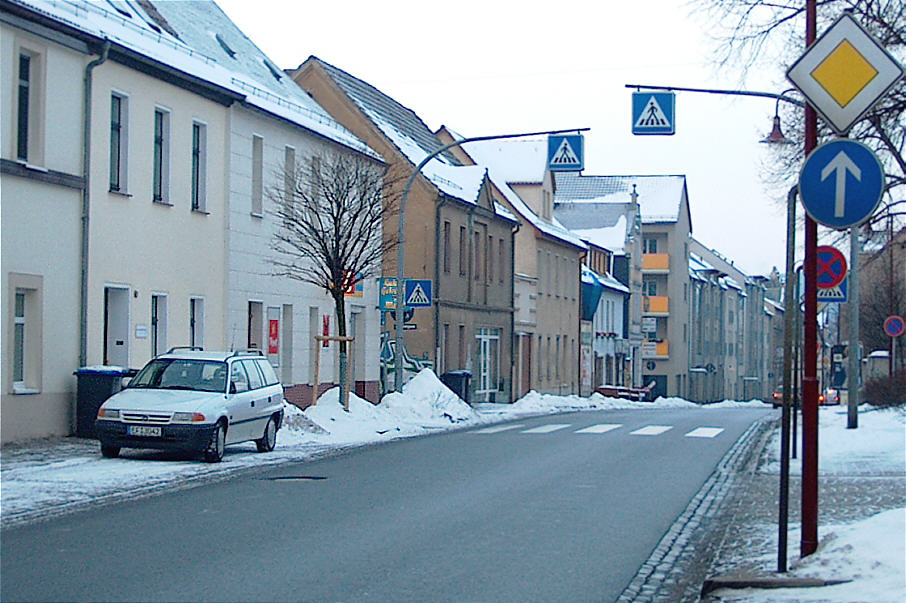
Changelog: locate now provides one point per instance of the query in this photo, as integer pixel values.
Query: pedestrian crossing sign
(837, 293)
(566, 153)
(653, 113)
(417, 293)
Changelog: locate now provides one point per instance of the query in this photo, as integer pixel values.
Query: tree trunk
(340, 307)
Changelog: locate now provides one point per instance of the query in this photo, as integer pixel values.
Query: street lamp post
(400, 259)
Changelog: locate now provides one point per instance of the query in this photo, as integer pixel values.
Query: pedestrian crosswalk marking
(499, 428)
(652, 430)
(704, 432)
(550, 427)
(602, 428)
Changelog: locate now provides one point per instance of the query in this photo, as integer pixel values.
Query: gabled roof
(409, 134)
(182, 38)
(660, 197)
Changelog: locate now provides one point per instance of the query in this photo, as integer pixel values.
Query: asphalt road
(511, 513)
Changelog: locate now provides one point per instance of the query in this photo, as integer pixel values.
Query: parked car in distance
(195, 401)
(831, 396)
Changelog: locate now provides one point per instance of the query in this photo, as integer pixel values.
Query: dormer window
(275, 71)
(225, 46)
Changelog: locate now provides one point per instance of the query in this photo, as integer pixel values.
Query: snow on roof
(607, 280)
(659, 197)
(612, 238)
(196, 51)
(499, 165)
(520, 161)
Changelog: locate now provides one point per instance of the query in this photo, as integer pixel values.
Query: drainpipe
(516, 372)
(437, 272)
(86, 205)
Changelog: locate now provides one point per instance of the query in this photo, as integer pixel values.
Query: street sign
(387, 297)
(831, 267)
(834, 294)
(844, 73)
(894, 326)
(417, 293)
(841, 183)
(653, 113)
(565, 153)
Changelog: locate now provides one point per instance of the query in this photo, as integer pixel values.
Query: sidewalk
(862, 473)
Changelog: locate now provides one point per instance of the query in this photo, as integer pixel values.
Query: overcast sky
(490, 67)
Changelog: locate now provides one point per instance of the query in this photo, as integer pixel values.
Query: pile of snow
(364, 422)
(426, 401)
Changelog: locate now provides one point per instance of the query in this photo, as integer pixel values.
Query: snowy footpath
(45, 478)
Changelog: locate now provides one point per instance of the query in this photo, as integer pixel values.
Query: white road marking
(547, 428)
(601, 428)
(499, 428)
(704, 432)
(652, 430)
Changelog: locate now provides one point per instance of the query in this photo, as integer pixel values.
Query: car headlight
(106, 413)
(188, 417)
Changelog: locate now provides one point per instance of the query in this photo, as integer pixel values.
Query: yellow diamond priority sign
(844, 73)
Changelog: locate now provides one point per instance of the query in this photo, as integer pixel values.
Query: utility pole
(855, 360)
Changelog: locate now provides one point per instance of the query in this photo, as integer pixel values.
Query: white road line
(652, 430)
(704, 432)
(547, 428)
(499, 428)
(600, 428)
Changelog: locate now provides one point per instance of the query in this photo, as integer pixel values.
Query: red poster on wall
(273, 337)
(325, 330)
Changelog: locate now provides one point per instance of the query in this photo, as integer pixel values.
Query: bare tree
(331, 215)
(769, 35)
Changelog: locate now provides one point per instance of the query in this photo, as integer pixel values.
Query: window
(490, 259)
(257, 175)
(19, 340)
(446, 246)
(649, 287)
(289, 173)
(26, 333)
(24, 106)
(119, 142)
(196, 321)
(476, 265)
(649, 245)
(256, 380)
(462, 346)
(161, 181)
(462, 251)
(445, 348)
(239, 380)
(557, 275)
(502, 253)
(199, 166)
(488, 361)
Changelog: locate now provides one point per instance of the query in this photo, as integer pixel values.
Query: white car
(195, 401)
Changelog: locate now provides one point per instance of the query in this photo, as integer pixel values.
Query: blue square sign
(565, 153)
(653, 113)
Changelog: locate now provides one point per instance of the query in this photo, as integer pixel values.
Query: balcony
(656, 349)
(656, 305)
(655, 263)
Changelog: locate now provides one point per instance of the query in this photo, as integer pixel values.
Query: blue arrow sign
(566, 153)
(841, 183)
(653, 113)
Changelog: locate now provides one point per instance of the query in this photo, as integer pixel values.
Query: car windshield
(184, 374)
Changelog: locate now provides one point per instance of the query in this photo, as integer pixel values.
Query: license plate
(141, 430)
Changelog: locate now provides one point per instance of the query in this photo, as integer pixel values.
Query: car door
(272, 383)
(260, 401)
(239, 406)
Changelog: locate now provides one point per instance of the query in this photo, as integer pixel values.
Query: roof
(183, 37)
(520, 161)
(660, 197)
(488, 153)
(608, 237)
(409, 134)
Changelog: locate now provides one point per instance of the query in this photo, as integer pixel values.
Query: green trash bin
(458, 381)
(95, 384)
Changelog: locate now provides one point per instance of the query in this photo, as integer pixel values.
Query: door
(240, 404)
(526, 365)
(116, 326)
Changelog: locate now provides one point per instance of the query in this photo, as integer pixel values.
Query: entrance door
(116, 326)
(526, 383)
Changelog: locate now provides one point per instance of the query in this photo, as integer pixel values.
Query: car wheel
(269, 440)
(214, 452)
(110, 452)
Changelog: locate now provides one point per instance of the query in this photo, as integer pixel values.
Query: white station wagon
(195, 401)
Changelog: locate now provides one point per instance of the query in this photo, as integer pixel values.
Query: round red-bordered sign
(894, 326)
(831, 267)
